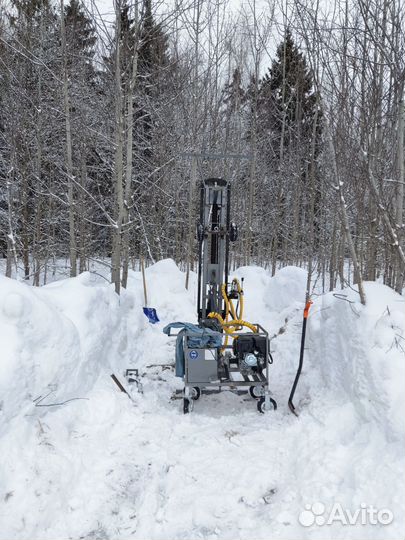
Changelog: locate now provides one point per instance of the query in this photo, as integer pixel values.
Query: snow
(104, 466)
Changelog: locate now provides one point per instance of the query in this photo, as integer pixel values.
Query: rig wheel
(261, 405)
(195, 393)
(256, 392)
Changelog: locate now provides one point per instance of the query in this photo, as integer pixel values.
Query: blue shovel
(150, 312)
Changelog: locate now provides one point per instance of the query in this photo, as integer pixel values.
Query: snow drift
(361, 350)
(59, 336)
(105, 467)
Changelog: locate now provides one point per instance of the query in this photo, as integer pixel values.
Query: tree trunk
(82, 228)
(118, 162)
(400, 191)
(128, 169)
(344, 216)
(190, 230)
(69, 160)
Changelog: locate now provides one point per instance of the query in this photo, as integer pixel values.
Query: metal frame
(213, 254)
(254, 379)
(214, 232)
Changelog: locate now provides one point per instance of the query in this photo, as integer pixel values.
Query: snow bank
(361, 350)
(166, 290)
(287, 288)
(270, 299)
(107, 467)
(55, 339)
(60, 337)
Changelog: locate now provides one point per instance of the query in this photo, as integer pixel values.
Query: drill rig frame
(244, 362)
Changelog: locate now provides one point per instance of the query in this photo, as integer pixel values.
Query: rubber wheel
(195, 393)
(261, 406)
(253, 391)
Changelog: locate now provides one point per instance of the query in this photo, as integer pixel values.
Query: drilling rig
(222, 351)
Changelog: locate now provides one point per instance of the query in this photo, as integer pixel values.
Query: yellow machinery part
(230, 326)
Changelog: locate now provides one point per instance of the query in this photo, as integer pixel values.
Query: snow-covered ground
(103, 466)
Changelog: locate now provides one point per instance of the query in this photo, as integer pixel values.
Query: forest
(174, 367)
(108, 124)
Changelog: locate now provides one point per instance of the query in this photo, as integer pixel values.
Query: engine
(250, 353)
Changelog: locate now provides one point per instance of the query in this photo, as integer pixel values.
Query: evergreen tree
(153, 59)
(233, 100)
(153, 53)
(80, 39)
(287, 109)
(86, 97)
(287, 99)
(30, 124)
(151, 120)
(234, 94)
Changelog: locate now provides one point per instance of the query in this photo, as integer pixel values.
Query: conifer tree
(80, 39)
(287, 98)
(233, 92)
(30, 124)
(153, 58)
(288, 111)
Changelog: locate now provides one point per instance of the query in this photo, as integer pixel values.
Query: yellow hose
(241, 301)
(226, 300)
(236, 323)
(240, 322)
(229, 304)
(229, 307)
(227, 325)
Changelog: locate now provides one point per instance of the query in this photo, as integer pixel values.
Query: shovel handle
(144, 282)
(301, 361)
(307, 308)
